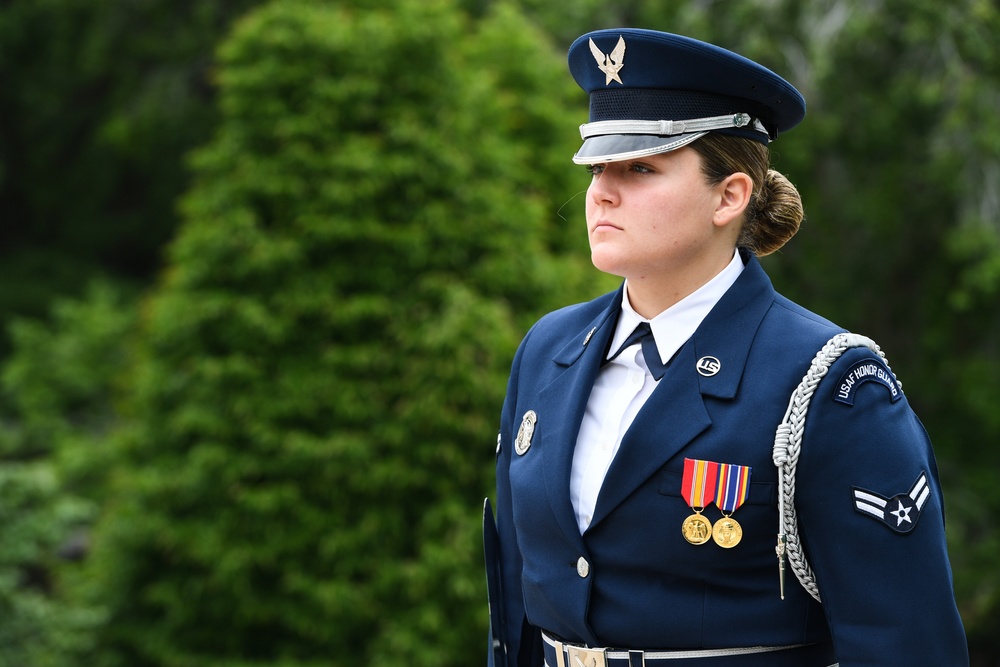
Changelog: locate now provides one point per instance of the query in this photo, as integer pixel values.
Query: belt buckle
(586, 657)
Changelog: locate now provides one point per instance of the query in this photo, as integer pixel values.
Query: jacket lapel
(565, 400)
(675, 413)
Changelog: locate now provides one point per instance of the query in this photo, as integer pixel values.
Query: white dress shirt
(624, 384)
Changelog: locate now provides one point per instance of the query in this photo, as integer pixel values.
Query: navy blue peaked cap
(653, 92)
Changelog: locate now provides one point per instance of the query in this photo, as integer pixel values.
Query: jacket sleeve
(871, 519)
(513, 641)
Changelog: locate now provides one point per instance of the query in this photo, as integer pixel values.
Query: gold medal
(727, 532)
(696, 529)
(698, 490)
(734, 487)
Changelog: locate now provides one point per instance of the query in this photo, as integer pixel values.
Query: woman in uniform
(646, 512)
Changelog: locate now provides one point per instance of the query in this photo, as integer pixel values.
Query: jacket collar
(729, 327)
(595, 335)
(721, 345)
(728, 331)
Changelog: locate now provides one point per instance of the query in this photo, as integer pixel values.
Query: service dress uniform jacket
(631, 580)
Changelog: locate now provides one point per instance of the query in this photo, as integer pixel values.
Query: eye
(594, 169)
(640, 168)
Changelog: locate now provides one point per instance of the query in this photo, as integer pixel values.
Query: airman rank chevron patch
(901, 512)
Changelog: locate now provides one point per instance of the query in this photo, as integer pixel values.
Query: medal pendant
(696, 529)
(698, 490)
(727, 532)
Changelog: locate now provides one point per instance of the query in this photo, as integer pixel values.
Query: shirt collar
(676, 324)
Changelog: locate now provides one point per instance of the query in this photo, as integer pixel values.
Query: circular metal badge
(524, 434)
(708, 366)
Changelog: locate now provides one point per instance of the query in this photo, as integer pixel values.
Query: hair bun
(777, 214)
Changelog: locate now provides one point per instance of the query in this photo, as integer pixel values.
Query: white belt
(574, 655)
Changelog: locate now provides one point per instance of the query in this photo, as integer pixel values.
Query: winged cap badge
(610, 63)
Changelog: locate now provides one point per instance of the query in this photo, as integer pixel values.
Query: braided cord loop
(788, 447)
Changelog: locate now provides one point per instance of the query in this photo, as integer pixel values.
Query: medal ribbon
(699, 483)
(733, 488)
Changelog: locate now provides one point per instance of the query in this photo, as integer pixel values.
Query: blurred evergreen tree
(37, 518)
(99, 103)
(59, 385)
(371, 230)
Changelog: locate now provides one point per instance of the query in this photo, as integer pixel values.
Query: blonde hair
(775, 211)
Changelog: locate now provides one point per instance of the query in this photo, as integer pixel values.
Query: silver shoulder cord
(788, 446)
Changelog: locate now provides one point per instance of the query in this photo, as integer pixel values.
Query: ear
(734, 196)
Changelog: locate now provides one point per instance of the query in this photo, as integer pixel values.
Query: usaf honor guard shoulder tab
(862, 372)
(899, 513)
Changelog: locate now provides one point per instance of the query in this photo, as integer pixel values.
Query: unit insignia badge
(524, 434)
(900, 513)
(610, 63)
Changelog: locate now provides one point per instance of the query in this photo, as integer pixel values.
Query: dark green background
(263, 266)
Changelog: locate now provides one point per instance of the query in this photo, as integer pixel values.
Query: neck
(652, 294)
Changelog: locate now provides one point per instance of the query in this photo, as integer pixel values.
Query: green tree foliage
(36, 518)
(99, 102)
(371, 230)
(61, 384)
(59, 387)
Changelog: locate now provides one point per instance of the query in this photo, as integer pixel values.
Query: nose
(603, 189)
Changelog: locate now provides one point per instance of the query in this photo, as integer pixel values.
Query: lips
(604, 225)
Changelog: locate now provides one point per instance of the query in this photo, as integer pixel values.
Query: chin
(610, 265)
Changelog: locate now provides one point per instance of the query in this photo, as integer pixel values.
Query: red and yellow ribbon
(699, 484)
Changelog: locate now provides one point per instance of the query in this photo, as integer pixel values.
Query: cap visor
(617, 147)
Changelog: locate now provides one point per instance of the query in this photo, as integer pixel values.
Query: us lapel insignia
(524, 434)
(708, 366)
(610, 63)
(900, 513)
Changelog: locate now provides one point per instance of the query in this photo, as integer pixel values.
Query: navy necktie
(643, 335)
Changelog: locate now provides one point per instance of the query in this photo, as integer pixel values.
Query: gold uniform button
(582, 567)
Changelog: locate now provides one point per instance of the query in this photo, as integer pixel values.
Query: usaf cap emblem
(899, 513)
(610, 63)
(524, 434)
